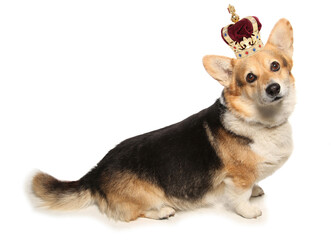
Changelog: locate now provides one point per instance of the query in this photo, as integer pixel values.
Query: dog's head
(259, 88)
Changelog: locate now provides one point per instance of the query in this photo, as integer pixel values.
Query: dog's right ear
(220, 68)
(281, 36)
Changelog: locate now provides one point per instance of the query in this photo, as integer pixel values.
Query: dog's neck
(264, 116)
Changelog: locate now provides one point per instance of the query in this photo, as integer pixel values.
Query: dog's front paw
(248, 211)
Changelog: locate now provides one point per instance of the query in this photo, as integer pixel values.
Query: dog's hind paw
(161, 214)
(257, 191)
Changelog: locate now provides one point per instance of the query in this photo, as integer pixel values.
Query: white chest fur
(273, 145)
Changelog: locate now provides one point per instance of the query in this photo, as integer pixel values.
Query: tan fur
(52, 200)
(238, 104)
(259, 64)
(129, 197)
(240, 162)
(241, 98)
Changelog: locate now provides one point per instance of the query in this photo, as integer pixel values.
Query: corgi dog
(221, 151)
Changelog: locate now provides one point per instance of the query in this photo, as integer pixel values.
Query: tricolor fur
(224, 150)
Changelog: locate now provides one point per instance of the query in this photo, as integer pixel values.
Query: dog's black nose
(273, 89)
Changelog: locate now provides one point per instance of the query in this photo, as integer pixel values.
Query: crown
(243, 36)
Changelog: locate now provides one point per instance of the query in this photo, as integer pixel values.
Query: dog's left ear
(281, 36)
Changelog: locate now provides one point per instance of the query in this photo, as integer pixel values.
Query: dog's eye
(274, 66)
(251, 77)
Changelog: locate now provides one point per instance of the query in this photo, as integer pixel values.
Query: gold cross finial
(232, 11)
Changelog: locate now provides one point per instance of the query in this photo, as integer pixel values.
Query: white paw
(166, 212)
(248, 211)
(160, 214)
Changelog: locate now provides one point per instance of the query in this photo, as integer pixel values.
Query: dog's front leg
(237, 198)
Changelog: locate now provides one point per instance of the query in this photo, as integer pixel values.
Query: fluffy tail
(61, 195)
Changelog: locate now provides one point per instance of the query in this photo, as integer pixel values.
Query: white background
(78, 77)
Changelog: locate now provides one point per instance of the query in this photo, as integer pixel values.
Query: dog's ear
(281, 36)
(220, 68)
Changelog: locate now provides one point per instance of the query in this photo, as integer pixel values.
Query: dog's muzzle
(273, 91)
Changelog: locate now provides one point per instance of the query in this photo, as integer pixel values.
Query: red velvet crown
(243, 36)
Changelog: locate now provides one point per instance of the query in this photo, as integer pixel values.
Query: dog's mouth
(277, 98)
(267, 100)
